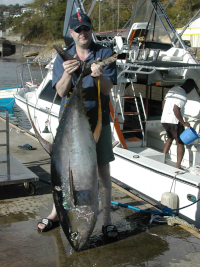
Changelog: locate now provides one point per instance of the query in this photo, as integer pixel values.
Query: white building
(192, 33)
(6, 14)
(25, 9)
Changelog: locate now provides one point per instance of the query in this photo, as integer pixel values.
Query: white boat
(7, 99)
(43, 102)
(139, 162)
(140, 165)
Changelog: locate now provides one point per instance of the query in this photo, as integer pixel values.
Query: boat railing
(147, 54)
(27, 78)
(142, 68)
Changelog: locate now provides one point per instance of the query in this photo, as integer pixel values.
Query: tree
(45, 20)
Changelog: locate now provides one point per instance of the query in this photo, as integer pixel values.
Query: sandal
(110, 229)
(27, 147)
(49, 225)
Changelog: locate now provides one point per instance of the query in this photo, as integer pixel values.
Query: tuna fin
(72, 190)
(105, 62)
(46, 145)
(64, 55)
(98, 128)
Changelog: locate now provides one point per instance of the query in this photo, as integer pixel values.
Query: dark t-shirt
(90, 89)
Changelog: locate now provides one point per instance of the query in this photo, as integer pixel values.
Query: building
(25, 9)
(6, 48)
(192, 33)
(6, 14)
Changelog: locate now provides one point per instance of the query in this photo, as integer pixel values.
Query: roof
(4, 41)
(195, 24)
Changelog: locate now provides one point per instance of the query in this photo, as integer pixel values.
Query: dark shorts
(174, 131)
(104, 146)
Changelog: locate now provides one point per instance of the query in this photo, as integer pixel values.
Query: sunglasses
(85, 29)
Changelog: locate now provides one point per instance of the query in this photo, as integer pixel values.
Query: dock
(140, 244)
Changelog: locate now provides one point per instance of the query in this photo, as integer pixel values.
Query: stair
(133, 118)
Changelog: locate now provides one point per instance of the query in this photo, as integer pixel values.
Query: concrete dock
(139, 245)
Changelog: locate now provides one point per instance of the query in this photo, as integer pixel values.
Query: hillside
(44, 21)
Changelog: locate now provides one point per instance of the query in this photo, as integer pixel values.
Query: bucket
(189, 135)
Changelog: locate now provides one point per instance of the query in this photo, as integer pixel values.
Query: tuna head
(82, 220)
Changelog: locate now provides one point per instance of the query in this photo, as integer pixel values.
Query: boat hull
(7, 99)
(40, 117)
(151, 179)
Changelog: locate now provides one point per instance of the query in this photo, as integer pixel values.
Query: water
(12, 69)
(14, 72)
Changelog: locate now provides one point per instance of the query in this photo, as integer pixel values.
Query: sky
(14, 2)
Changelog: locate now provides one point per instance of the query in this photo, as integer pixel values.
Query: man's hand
(177, 113)
(186, 124)
(70, 66)
(96, 69)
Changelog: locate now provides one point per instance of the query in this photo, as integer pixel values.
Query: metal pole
(28, 64)
(7, 141)
(99, 16)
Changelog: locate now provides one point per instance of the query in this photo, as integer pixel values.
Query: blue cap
(79, 19)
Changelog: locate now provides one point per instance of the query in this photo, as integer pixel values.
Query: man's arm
(177, 113)
(63, 86)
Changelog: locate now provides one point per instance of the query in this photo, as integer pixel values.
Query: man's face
(82, 36)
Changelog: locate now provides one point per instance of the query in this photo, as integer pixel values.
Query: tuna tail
(64, 55)
(87, 67)
(45, 144)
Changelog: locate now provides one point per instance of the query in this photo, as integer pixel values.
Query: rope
(171, 221)
(188, 205)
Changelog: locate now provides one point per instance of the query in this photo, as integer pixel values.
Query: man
(172, 117)
(64, 79)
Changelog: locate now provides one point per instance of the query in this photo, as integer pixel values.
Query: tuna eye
(74, 236)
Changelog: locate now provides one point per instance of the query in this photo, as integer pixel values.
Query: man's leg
(52, 216)
(167, 146)
(180, 153)
(105, 192)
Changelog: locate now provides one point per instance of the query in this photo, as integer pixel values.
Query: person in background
(172, 117)
(64, 78)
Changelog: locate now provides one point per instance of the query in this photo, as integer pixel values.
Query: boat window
(48, 94)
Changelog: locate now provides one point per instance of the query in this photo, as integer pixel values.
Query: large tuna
(74, 171)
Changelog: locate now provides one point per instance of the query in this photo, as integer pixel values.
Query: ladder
(118, 114)
(134, 113)
(7, 143)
